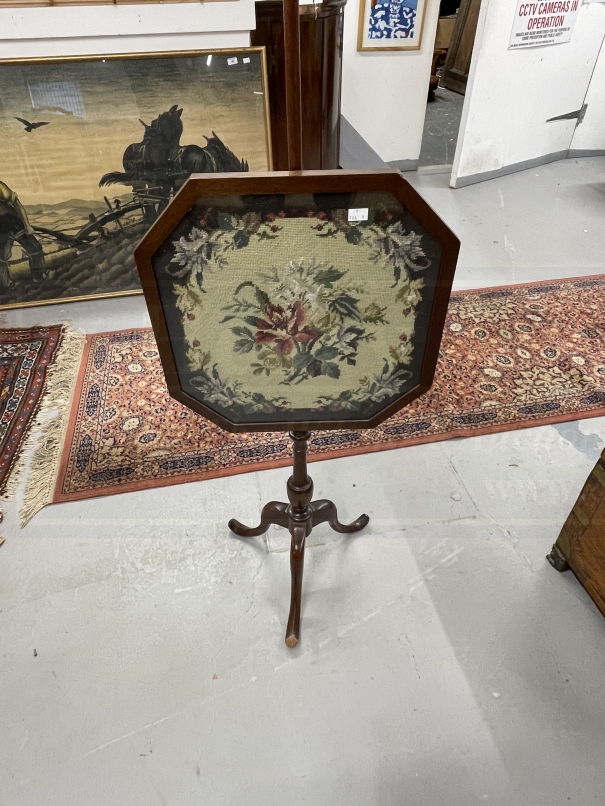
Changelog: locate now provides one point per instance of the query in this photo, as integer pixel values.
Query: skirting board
(573, 153)
(446, 168)
(463, 181)
(585, 152)
(404, 165)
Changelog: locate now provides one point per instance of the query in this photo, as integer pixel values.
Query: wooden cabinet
(581, 544)
(321, 66)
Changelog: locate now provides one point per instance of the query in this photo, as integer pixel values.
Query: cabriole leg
(324, 510)
(297, 561)
(274, 512)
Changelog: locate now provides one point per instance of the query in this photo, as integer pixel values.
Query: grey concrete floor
(443, 662)
(441, 125)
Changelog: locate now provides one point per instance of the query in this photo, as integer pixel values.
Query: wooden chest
(581, 544)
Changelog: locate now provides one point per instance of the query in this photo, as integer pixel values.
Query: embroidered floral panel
(309, 307)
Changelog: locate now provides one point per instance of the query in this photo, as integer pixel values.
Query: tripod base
(299, 517)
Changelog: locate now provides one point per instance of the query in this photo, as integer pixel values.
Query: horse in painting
(214, 157)
(159, 165)
(147, 163)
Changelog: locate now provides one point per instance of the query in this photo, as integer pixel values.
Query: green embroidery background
(274, 311)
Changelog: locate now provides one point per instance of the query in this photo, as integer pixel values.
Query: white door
(522, 106)
(589, 136)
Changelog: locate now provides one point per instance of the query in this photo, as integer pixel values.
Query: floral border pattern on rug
(510, 358)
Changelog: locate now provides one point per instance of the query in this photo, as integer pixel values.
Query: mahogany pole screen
(293, 92)
(298, 301)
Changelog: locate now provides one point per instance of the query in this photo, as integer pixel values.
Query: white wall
(74, 30)
(511, 93)
(590, 134)
(384, 94)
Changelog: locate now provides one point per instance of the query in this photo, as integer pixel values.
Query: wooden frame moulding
(386, 46)
(285, 182)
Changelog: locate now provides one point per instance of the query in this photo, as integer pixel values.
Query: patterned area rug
(38, 369)
(511, 358)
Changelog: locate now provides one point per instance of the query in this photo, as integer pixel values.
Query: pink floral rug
(511, 357)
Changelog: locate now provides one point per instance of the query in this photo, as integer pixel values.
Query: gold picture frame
(81, 181)
(391, 25)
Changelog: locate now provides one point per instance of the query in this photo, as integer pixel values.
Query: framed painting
(93, 148)
(390, 24)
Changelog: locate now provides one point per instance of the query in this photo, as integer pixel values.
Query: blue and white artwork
(393, 20)
(392, 24)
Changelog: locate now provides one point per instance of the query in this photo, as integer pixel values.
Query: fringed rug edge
(47, 434)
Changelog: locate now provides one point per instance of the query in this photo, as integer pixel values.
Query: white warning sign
(550, 22)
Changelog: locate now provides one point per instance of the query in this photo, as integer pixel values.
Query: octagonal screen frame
(199, 186)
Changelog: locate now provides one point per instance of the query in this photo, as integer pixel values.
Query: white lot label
(232, 60)
(358, 214)
(246, 60)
